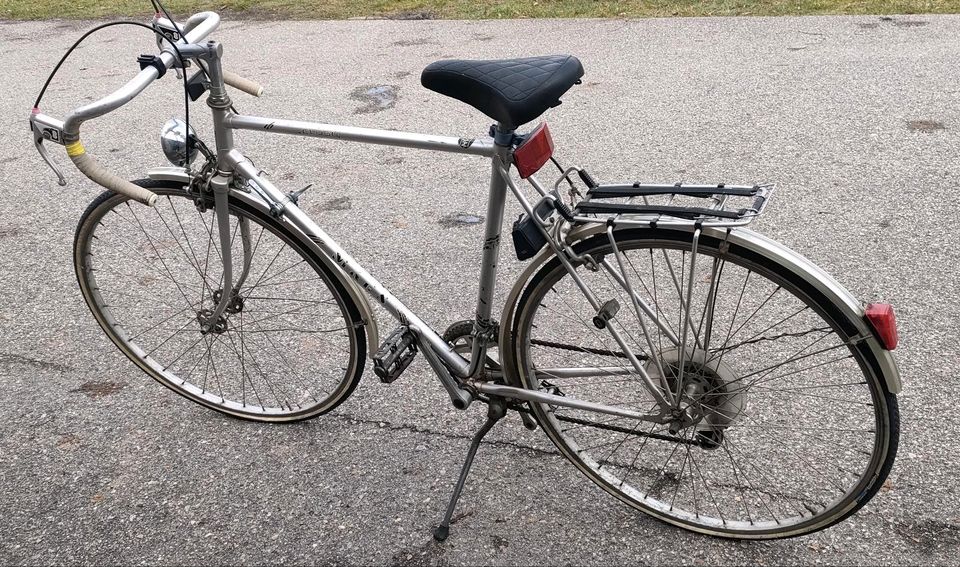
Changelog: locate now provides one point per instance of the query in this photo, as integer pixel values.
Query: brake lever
(47, 128)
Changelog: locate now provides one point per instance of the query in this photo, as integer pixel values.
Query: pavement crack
(383, 424)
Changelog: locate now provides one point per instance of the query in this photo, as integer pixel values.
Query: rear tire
(796, 430)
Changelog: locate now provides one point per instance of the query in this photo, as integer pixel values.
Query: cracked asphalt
(856, 118)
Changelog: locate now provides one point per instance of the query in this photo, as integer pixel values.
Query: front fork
(221, 195)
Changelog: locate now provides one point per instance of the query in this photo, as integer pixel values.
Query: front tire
(291, 344)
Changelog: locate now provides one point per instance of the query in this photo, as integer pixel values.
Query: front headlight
(173, 140)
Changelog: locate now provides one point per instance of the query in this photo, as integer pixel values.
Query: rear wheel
(786, 428)
(290, 344)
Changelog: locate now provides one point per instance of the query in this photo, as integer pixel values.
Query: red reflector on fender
(530, 156)
(884, 322)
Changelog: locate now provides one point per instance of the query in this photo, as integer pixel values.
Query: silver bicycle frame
(445, 361)
(231, 162)
(234, 161)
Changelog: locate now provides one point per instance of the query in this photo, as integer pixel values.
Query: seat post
(502, 136)
(483, 326)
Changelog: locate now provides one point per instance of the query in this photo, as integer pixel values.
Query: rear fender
(771, 250)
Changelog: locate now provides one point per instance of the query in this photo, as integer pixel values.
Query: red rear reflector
(884, 322)
(530, 156)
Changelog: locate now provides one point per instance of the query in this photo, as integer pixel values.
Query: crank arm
(47, 128)
(513, 393)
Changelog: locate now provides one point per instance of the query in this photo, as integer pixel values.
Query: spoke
(754, 339)
(138, 300)
(216, 373)
(637, 456)
(267, 298)
(263, 376)
(147, 330)
(683, 467)
(728, 444)
(196, 267)
(291, 311)
(134, 256)
(182, 354)
(660, 316)
(766, 371)
(290, 366)
(736, 476)
(793, 335)
(752, 315)
(656, 477)
(733, 319)
(285, 282)
(152, 245)
(206, 367)
(248, 378)
(786, 447)
(168, 338)
(706, 485)
(620, 444)
(269, 265)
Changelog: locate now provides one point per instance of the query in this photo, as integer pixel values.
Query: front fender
(179, 174)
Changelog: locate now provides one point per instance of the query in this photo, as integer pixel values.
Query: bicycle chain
(588, 350)
(780, 336)
(618, 429)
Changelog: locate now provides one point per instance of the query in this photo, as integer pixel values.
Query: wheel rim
(286, 348)
(726, 491)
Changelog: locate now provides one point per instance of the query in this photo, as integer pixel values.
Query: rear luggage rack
(659, 204)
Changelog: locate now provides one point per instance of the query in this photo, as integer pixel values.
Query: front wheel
(784, 428)
(290, 344)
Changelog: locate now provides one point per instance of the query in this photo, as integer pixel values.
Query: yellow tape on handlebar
(75, 149)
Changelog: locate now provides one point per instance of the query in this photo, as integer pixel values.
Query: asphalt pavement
(857, 119)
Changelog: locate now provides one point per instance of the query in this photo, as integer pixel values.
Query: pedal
(394, 355)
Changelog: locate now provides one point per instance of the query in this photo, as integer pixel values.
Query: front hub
(209, 325)
(235, 305)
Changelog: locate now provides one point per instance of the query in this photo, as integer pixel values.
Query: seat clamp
(503, 138)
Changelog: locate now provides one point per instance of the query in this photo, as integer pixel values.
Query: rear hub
(711, 395)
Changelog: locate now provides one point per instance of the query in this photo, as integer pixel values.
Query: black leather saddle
(511, 91)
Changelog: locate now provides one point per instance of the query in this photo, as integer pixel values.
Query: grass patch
(472, 9)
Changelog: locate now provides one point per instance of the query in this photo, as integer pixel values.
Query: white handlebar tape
(240, 83)
(102, 176)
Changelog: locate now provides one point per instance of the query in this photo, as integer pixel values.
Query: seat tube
(483, 325)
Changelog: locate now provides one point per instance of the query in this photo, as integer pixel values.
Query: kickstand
(496, 409)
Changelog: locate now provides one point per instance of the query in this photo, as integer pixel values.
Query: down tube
(350, 266)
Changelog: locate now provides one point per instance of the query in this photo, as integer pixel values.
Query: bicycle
(692, 368)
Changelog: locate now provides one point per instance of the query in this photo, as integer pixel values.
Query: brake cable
(155, 30)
